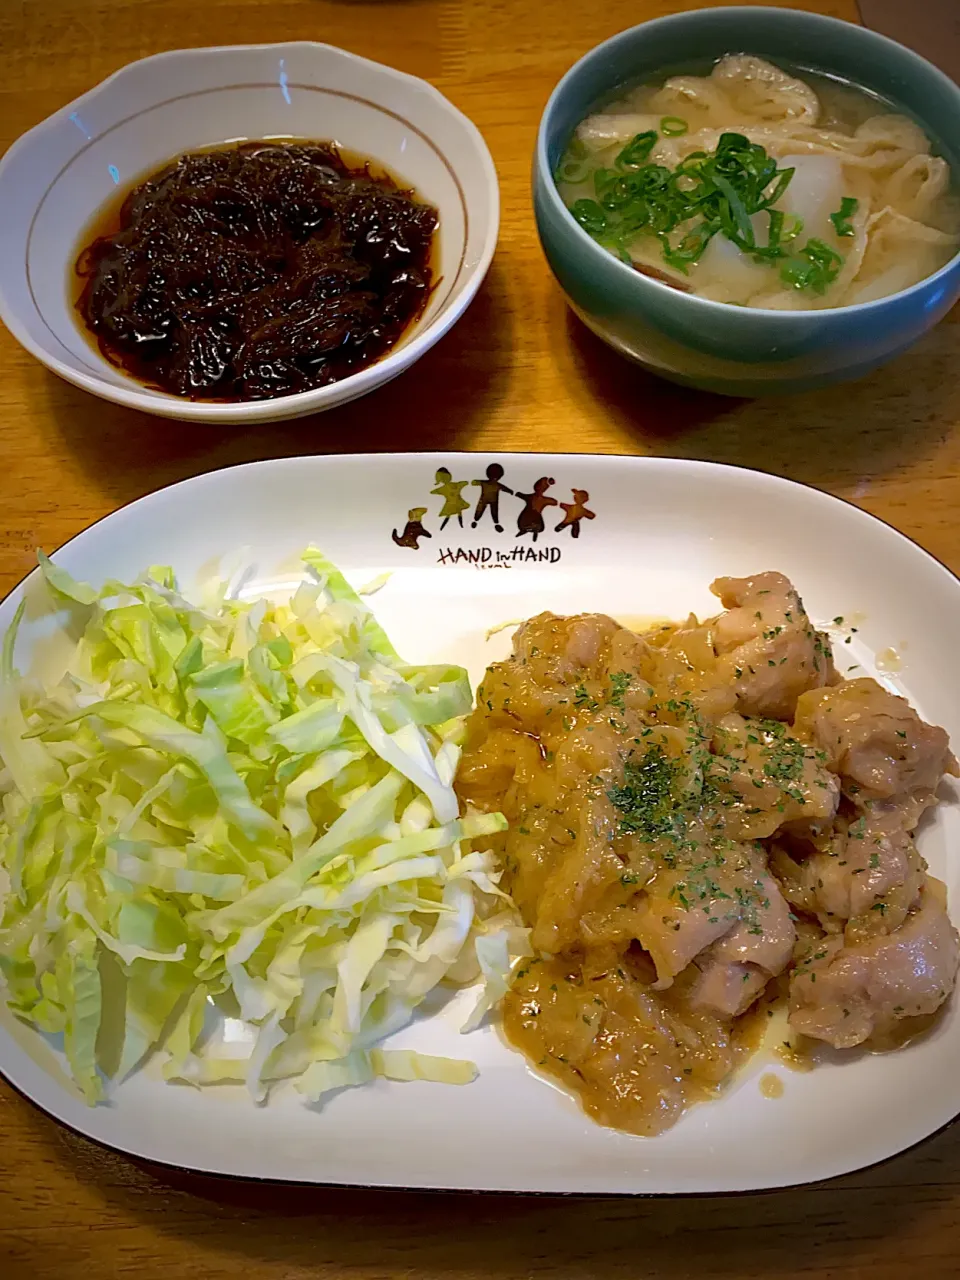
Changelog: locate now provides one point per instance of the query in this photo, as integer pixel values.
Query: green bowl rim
(648, 283)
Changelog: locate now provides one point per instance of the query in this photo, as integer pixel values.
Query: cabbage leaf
(227, 806)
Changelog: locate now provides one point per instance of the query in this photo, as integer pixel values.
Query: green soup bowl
(741, 351)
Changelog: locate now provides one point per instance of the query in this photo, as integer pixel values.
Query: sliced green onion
(690, 249)
(573, 171)
(673, 126)
(573, 166)
(779, 187)
(814, 267)
(841, 219)
(590, 216)
(792, 226)
(705, 194)
(738, 226)
(690, 163)
(637, 149)
(774, 235)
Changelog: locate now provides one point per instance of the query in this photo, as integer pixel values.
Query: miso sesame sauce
(771, 1086)
(889, 661)
(635, 1057)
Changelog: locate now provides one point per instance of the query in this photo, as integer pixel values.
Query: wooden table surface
(518, 372)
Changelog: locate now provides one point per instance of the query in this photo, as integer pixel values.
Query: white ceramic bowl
(53, 180)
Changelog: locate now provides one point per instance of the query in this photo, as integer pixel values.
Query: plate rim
(428, 455)
(152, 1162)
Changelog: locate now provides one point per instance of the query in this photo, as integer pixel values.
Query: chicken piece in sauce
(671, 831)
(847, 992)
(890, 951)
(768, 647)
(877, 744)
(735, 970)
(774, 778)
(868, 860)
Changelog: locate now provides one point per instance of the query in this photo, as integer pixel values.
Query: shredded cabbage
(243, 809)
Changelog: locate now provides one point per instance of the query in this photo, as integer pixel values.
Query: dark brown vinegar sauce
(321, 301)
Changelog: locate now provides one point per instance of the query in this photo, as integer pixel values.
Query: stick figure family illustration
(531, 519)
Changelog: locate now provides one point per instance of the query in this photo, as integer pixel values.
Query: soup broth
(756, 186)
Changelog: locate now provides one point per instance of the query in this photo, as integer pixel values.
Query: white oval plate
(662, 530)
